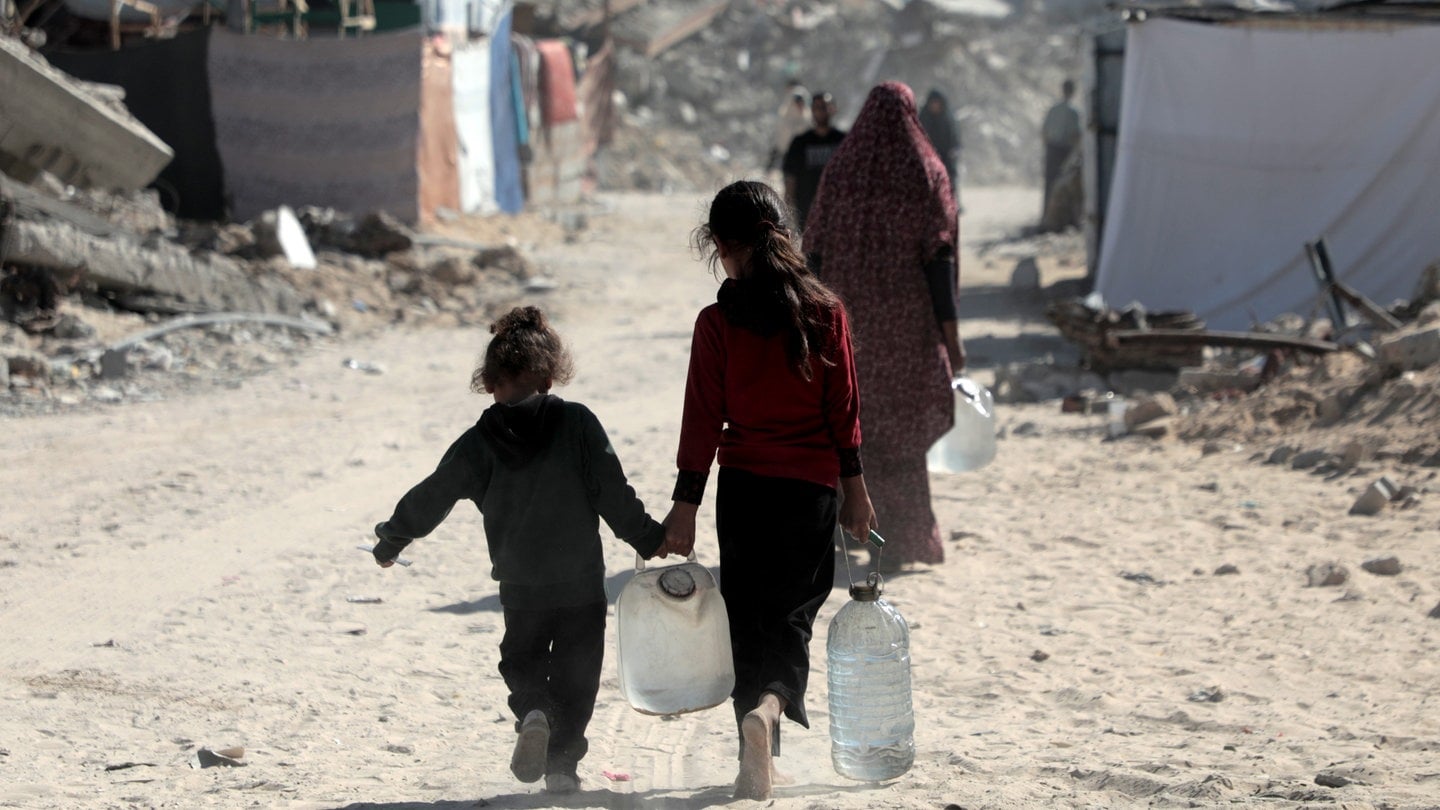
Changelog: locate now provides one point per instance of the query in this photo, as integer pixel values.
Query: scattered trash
(399, 749)
(361, 365)
(225, 757)
(364, 600)
(1226, 570)
(398, 560)
(109, 643)
(1212, 694)
(1335, 780)
(1374, 498)
(616, 776)
(1140, 577)
(1039, 655)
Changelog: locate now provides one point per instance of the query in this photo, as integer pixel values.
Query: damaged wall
(318, 122)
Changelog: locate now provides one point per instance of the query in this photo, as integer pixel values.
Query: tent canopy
(1239, 144)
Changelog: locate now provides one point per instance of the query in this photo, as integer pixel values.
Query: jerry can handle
(640, 561)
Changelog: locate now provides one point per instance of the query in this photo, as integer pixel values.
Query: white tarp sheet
(476, 161)
(1238, 145)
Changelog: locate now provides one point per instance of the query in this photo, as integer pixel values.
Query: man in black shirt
(808, 153)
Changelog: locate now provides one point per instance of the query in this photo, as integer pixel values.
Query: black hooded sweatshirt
(543, 473)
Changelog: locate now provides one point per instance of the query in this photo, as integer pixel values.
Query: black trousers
(550, 660)
(777, 566)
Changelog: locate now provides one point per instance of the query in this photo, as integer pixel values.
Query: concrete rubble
(691, 121)
(76, 131)
(105, 298)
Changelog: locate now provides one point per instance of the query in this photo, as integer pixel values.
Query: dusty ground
(178, 573)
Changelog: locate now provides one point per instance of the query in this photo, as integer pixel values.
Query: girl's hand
(857, 515)
(679, 530)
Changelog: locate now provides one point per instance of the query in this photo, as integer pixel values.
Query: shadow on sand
(718, 796)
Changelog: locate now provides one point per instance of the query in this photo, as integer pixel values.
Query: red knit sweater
(744, 398)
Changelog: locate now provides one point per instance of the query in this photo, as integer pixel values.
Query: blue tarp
(509, 187)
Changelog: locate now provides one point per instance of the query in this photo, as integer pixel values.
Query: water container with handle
(970, 444)
(673, 639)
(872, 721)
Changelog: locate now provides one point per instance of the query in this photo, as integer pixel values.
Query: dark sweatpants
(777, 566)
(550, 660)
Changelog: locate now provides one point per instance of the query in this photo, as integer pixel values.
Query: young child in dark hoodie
(542, 472)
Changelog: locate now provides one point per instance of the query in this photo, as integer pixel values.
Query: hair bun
(529, 318)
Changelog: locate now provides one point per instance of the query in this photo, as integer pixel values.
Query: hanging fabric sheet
(1238, 145)
(437, 156)
(504, 126)
(557, 83)
(327, 122)
(476, 155)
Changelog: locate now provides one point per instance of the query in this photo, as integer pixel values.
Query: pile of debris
(105, 297)
(1372, 383)
(704, 110)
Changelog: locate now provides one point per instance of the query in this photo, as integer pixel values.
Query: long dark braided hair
(776, 290)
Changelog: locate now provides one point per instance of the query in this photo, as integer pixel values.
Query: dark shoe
(528, 761)
(562, 783)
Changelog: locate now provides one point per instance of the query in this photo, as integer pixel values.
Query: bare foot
(754, 781)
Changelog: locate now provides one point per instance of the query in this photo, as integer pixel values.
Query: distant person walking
(883, 234)
(792, 119)
(806, 158)
(939, 124)
(1061, 133)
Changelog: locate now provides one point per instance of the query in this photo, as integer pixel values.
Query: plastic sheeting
(476, 158)
(505, 131)
(328, 122)
(438, 148)
(1238, 145)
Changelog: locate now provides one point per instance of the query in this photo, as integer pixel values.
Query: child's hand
(386, 552)
(679, 530)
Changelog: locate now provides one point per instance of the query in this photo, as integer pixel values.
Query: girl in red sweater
(772, 388)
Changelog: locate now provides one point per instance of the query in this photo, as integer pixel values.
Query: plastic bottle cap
(677, 583)
(869, 591)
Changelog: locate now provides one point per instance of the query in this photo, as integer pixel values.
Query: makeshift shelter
(1243, 136)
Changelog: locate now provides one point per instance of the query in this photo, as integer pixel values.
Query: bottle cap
(870, 591)
(677, 582)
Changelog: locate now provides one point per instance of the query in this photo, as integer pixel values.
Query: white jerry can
(673, 639)
(970, 444)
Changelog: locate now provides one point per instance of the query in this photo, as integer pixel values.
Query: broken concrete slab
(127, 265)
(53, 124)
(1149, 409)
(58, 237)
(1411, 350)
(1207, 381)
(1374, 498)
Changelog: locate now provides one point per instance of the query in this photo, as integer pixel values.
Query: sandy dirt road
(180, 574)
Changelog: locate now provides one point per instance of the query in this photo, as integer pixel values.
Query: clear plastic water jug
(970, 444)
(673, 639)
(872, 722)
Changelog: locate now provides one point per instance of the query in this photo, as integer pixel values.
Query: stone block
(1148, 409)
(1412, 350)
